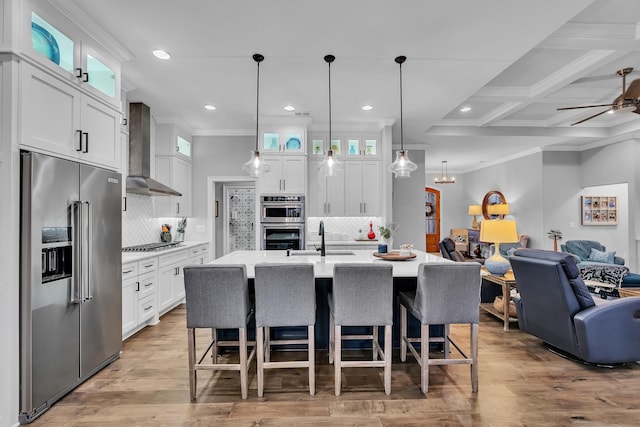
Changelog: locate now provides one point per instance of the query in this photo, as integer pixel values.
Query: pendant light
(401, 166)
(256, 166)
(443, 178)
(330, 166)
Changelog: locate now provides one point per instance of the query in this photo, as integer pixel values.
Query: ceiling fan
(626, 101)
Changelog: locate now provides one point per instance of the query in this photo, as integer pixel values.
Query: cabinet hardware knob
(79, 73)
(86, 142)
(85, 77)
(79, 132)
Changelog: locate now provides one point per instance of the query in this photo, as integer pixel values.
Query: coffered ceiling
(512, 62)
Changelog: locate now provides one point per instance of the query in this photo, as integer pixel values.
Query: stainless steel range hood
(139, 180)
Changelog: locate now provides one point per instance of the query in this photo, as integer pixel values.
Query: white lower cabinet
(171, 279)
(199, 255)
(139, 296)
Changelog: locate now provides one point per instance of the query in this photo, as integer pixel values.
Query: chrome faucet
(322, 248)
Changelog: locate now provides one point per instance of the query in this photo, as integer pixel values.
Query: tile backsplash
(340, 228)
(139, 224)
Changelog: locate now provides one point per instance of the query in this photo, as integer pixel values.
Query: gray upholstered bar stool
(362, 296)
(285, 296)
(217, 297)
(447, 293)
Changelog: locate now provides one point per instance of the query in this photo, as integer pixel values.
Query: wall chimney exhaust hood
(139, 180)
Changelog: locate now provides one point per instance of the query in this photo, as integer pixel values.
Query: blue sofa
(555, 306)
(581, 251)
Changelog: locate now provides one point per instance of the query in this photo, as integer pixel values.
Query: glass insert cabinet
(345, 147)
(65, 50)
(283, 141)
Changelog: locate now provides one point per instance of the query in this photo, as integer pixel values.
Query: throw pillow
(600, 256)
(460, 239)
(511, 251)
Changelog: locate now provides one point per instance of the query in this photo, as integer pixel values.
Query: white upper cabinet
(176, 173)
(361, 147)
(345, 146)
(326, 193)
(172, 140)
(362, 187)
(57, 118)
(54, 42)
(287, 175)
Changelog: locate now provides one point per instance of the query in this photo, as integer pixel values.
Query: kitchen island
(404, 279)
(323, 267)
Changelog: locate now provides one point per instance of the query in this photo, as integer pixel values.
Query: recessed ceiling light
(161, 54)
(289, 108)
(367, 107)
(209, 107)
(465, 109)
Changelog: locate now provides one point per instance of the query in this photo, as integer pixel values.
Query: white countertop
(363, 243)
(323, 268)
(128, 257)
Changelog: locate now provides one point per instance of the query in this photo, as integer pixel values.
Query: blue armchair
(555, 306)
(582, 252)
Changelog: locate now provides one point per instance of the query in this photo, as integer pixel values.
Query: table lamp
(501, 209)
(498, 231)
(475, 210)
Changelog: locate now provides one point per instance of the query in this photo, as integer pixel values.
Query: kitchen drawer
(147, 265)
(147, 308)
(198, 251)
(147, 284)
(129, 270)
(172, 258)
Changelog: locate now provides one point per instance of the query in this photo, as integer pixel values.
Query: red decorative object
(371, 234)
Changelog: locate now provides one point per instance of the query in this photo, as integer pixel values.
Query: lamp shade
(498, 231)
(474, 210)
(498, 209)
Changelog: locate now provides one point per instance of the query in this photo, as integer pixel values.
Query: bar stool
(447, 293)
(217, 297)
(285, 296)
(362, 296)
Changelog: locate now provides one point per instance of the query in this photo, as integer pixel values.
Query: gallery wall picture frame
(599, 210)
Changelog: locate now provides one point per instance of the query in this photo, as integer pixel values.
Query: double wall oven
(282, 222)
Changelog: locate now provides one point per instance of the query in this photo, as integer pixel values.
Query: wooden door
(432, 219)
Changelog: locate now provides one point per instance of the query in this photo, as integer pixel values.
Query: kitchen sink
(328, 253)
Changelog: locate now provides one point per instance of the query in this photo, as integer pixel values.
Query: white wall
(408, 205)
(213, 156)
(521, 182)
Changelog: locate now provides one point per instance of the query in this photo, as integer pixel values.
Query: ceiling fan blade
(637, 110)
(601, 77)
(633, 91)
(585, 106)
(589, 118)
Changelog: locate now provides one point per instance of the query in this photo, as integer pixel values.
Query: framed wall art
(599, 210)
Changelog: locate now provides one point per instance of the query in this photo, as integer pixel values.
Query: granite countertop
(128, 257)
(323, 268)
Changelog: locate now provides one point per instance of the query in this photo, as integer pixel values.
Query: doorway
(432, 219)
(239, 217)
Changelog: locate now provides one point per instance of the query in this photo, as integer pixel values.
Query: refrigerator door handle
(76, 226)
(87, 253)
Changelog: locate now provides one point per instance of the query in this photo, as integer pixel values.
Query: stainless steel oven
(279, 236)
(281, 209)
(282, 222)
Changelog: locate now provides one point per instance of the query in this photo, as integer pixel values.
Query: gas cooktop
(151, 247)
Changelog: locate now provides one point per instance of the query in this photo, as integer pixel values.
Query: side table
(505, 282)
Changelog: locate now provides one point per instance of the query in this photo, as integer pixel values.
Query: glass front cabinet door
(283, 141)
(361, 147)
(64, 49)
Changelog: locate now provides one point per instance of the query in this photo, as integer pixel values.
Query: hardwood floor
(521, 384)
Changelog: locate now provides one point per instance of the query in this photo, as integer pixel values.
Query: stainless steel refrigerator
(70, 277)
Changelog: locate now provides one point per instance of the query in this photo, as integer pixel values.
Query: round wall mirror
(492, 198)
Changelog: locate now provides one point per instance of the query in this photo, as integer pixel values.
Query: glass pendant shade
(402, 166)
(330, 166)
(256, 166)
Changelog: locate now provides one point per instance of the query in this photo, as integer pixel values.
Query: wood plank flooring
(521, 384)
